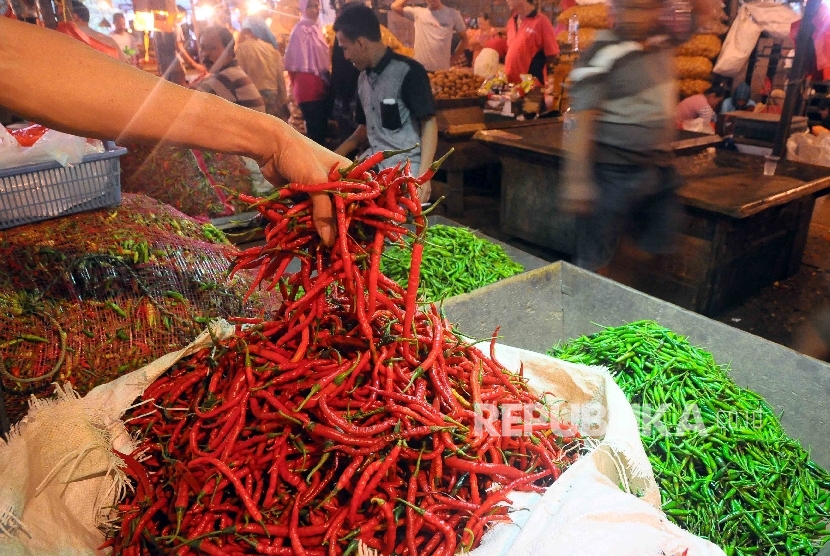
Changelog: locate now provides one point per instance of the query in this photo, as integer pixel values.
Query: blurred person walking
(618, 179)
(264, 66)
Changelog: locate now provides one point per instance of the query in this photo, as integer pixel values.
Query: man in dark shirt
(395, 109)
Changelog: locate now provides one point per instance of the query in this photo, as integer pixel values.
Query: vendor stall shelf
(559, 302)
(742, 230)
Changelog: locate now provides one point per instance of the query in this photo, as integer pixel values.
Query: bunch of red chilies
(348, 416)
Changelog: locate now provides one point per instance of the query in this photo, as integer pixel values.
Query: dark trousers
(316, 116)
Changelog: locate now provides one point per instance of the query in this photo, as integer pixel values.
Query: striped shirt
(633, 90)
(232, 83)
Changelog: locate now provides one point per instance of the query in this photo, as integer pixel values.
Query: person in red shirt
(531, 42)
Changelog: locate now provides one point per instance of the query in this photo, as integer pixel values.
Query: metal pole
(796, 78)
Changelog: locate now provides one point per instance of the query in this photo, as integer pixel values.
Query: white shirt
(125, 40)
(433, 35)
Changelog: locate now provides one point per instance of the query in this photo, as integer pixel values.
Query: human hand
(578, 196)
(201, 68)
(424, 192)
(304, 161)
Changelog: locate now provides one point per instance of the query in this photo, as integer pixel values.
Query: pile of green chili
(455, 261)
(727, 471)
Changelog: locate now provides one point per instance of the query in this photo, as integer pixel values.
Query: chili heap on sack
(349, 416)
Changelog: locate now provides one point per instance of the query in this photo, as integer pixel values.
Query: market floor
(776, 313)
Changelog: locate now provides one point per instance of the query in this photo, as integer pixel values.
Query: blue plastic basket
(48, 190)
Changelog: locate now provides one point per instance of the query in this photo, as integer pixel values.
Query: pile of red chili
(348, 416)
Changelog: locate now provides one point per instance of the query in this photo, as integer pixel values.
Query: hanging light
(203, 12)
(144, 21)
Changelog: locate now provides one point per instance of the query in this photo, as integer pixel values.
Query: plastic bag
(52, 146)
(812, 149)
(739, 44)
(693, 67)
(699, 125)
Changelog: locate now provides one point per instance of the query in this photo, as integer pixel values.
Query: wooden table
(742, 231)
(458, 121)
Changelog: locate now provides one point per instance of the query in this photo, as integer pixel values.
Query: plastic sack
(595, 16)
(707, 46)
(58, 474)
(54, 146)
(811, 149)
(691, 87)
(739, 44)
(752, 19)
(693, 67)
(699, 125)
(486, 63)
(774, 18)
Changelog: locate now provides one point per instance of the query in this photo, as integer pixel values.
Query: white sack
(584, 511)
(58, 472)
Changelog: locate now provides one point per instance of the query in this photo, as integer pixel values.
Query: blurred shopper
(171, 53)
(71, 88)
(739, 101)
(619, 180)
(308, 61)
(264, 66)
(435, 26)
(80, 15)
(396, 109)
(531, 42)
(127, 42)
(226, 78)
(701, 106)
(485, 36)
(259, 27)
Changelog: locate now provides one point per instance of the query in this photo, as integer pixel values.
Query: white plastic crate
(42, 191)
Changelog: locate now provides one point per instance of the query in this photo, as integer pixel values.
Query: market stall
(743, 229)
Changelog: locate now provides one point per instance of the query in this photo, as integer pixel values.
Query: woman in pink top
(704, 105)
(308, 62)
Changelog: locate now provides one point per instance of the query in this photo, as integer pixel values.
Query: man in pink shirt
(531, 42)
(703, 105)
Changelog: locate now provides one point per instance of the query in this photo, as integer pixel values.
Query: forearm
(579, 144)
(97, 96)
(187, 57)
(429, 142)
(354, 142)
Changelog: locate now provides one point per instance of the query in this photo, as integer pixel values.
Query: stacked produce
(455, 83)
(727, 470)
(592, 18)
(198, 183)
(455, 261)
(91, 296)
(693, 60)
(346, 418)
